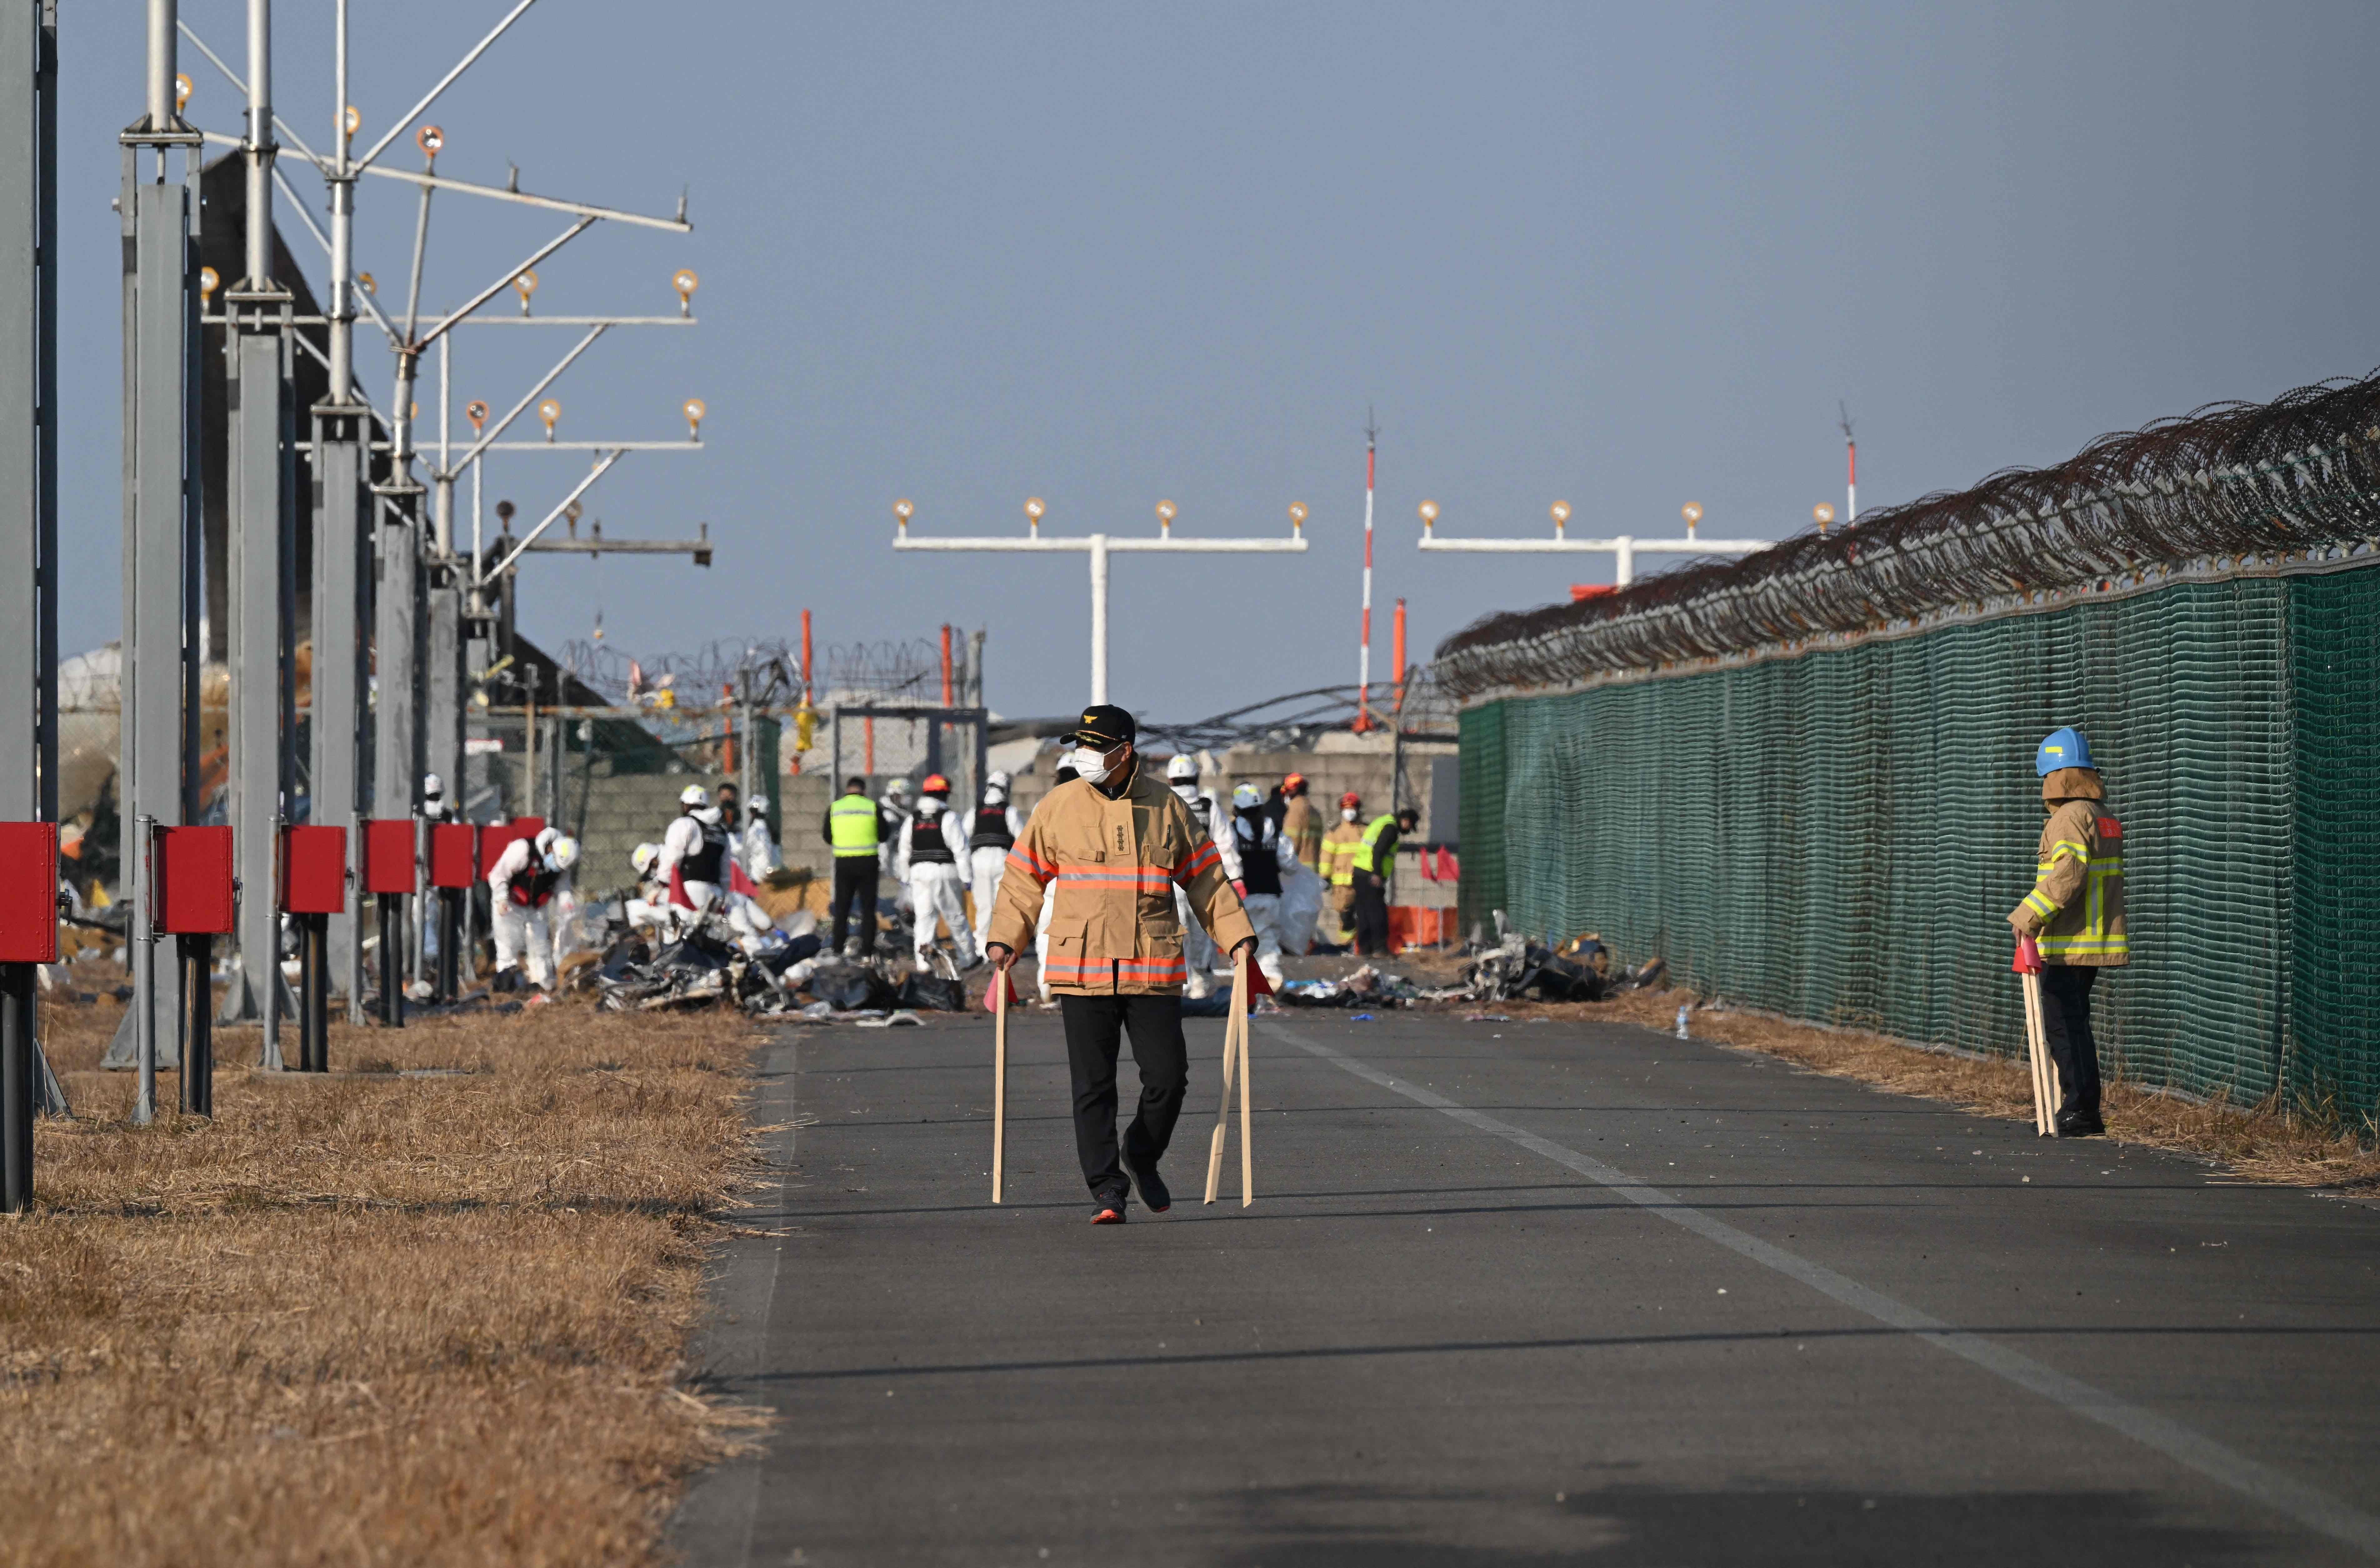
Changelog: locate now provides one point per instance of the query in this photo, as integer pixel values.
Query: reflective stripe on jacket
(851, 826)
(1115, 864)
(2078, 888)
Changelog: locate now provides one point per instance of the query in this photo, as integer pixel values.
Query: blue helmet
(2064, 748)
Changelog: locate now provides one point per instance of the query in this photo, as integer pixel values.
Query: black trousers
(1371, 913)
(2065, 1029)
(1095, 1026)
(855, 874)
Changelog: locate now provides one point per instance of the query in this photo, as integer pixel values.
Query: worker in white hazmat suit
(990, 831)
(648, 908)
(529, 889)
(1264, 856)
(896, 808)
(760, 857)
(1199, 950)
(693, 862)
(926, 859)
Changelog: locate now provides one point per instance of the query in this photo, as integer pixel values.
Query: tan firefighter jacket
(2075, 911)
(1113, 928)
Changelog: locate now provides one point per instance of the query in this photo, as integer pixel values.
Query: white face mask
(1346, 814)
(1092, 767)
(1189, 792)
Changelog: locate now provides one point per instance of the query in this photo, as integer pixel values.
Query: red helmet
(1351, 799)
(936, 784)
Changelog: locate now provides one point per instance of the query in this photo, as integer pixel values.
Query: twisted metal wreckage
(2232, 487)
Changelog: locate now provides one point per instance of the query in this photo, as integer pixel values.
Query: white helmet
(1181, 768)
(644, 857)
(544, 843)
(432, 787)
(694, 795)
(756, 807)
(563, 853)
(997, 780)
(898, 790)
(1246, 797)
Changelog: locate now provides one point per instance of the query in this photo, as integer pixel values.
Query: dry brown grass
(372, 1320)
(2264, 1142)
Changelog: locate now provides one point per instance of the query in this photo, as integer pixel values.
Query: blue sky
(1626, 256)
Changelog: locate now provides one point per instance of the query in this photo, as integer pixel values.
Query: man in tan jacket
(1117, 841)
(2075, 914)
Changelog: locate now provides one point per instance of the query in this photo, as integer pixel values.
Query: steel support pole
(159, 719)
(396, 772)
(199, 1056)
(262, 557)
(28, 521)
(1099, 553)
(17, 1076)
(342, 604)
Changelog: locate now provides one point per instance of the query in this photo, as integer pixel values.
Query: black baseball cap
(1102, 727)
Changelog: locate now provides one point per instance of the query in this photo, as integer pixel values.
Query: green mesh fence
(1839, 836)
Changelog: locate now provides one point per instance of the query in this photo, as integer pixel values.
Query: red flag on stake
(991, 1002)
(678, 890)
(739, 883)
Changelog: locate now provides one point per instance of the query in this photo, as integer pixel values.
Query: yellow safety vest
(1366, 852)
(851, 823)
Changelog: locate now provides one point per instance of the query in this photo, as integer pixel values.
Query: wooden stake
(1248, 1133)
(2045, 1071)
(999, 1080)
(1224, 1106)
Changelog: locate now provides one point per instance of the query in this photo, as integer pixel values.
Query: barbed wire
(2232, 479)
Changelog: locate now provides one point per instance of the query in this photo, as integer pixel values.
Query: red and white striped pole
(1851, 464)
(1363, 655)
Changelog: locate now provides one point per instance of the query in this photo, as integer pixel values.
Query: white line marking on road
(2310, 1506)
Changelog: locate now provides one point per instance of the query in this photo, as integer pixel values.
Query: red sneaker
(1110, 1214)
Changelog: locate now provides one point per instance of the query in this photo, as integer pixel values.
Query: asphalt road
(1522, 1294)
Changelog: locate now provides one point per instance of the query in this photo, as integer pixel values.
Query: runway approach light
(429, 139)
(1428, 510)
(686, 281)
(550, 412)
(694, 408)
(353, 120)
(525, 286)
(476, 413)
(1033, 510)
(182, 89)
(208, 281)
(1692, 513)
(371, 283)
(1560, 512)
(1165, 514)
(1298, 518)
(902, 512)
(1822, 514)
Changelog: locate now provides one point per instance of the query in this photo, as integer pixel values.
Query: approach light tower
(1098, 546)
(1625, 547)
